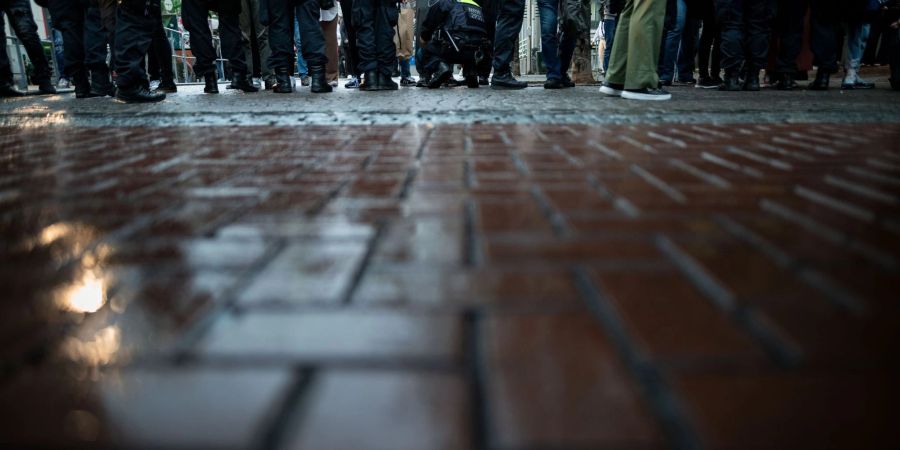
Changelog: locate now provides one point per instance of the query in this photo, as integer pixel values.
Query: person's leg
(6, 76)
(675, 17)
(245, 22)
(232, 45)
(618, 60)
(687, 52)
(386, 17)
(22, 22)
(364, 21)
(567, 43)
(69, 18)
(789, 24)
(758, 17)
(549, 37)
(59, 53)
(302, 69)
(262, 43)
(194, 16)
(609, 30)
(509, 23)
(644, 39)
(163, 51)
(823, 35)
(707, 37)
(95, 48)
(892, 43)
(134, 31)
(329, 29)
(730, 14)
(857, 36)
(351, 55)
(311, 36)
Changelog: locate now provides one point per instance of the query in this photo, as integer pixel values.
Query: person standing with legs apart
(633, 64)
(509, 22)
(195, 14)
(281, 41)
(374, 21)
(745, 41)
(22, 23)
(557, 46)
(135, 22)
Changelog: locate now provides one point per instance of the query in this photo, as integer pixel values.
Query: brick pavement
(451, 286)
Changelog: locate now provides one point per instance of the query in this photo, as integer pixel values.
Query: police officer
(509, 15)
(375, 21)
(85, 46)
(745, 41)
(135, 22)
(281, 42)
(22, 22)
(455, 32)
(194, 14)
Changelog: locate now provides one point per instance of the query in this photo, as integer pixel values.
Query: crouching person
(455, 32)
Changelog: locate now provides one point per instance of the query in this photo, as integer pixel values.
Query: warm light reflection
(99, 351)
(87, 295)
(53, 232)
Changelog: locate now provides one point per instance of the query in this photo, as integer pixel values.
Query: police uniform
(509, 15)
(374, 21)
(195, 14)
(281, 32)
(135, 24)
(22, 22)
(455, 32)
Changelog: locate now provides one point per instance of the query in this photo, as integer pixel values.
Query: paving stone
(364, 334)
(528, 356)
(353, 410)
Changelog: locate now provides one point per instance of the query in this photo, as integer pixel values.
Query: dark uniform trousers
(824, 19)
(745, 34)
(374, 21)
(135, 24)
(281, 34)
(353, 51)
(195, 14)
(509, 14)
(22, 22)
(83, 34)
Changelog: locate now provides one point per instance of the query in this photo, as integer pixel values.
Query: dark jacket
(463, 19)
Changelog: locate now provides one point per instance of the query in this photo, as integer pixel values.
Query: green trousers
(635, 52)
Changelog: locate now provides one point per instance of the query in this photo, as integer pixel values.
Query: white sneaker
(612, 90)
(647, 94)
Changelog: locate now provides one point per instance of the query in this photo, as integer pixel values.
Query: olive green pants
(635, 52)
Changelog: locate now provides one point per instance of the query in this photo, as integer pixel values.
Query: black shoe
(751, 82)
(243, 82)
(554, 83)
(8, 90)
(646, 94)
(440, 76)
(167, 86)
(785, 82)
(506, 81)
(385, 83)
(101, 84)
(269, 82)
(83, 85)
(139, 94)
(282, 82)
(665, 83)
(407, 81)
(472, 81)
(707, 83)
(567, 81)
(483, 80)
(424, 79)
(370, 81)
(45, 87)
(731, 84)
(821, 82)
(317, 82)
(212, 84)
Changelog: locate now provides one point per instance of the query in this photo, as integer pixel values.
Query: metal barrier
(184, 70)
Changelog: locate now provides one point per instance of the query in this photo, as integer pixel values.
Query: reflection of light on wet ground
(100, 350)
(86, 295)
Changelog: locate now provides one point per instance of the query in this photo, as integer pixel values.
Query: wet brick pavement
(449, 286)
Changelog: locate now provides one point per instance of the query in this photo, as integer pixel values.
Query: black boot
(821, 82)
(506, 81)
(8, 90)
(139, 94)
(317, 82)
(442, 73)
(785, 82)
(243, 82)
(385, 83)
(83, 85)
(45, 87)
(167, 86)
(101, 84)
(732, 83)
(483, 80)
(370, 81)
(212, 83)
(751, 82)
(282, 81)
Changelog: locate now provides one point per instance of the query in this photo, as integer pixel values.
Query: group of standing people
(651, 44)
